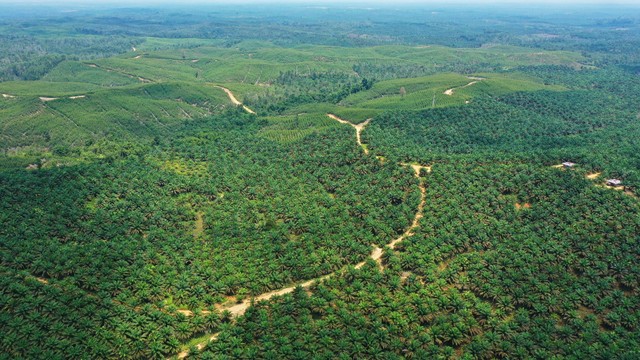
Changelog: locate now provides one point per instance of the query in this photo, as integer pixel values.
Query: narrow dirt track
(132, 76)
(377, 252)
(419, 213)
(358, 127)
(239, 309)
(449, 92)
(234, 100)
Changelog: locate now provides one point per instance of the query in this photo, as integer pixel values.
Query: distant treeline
(31, 57)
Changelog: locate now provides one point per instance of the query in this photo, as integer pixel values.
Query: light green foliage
(45, 88)
(293, 128)
(251, 62)
(429, 92)
(78, 72)
(140, 111)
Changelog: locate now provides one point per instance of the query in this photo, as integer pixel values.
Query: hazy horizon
(323, 2)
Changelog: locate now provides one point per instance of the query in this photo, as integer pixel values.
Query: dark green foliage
(140, 201)
(483, 278)
(30, 58)
(309, 88)
(121, 229)
(545, 128)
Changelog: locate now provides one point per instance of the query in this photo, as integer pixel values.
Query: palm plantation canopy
(219, 182)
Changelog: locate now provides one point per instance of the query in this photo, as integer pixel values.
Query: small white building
(614, 182)
(568, 164)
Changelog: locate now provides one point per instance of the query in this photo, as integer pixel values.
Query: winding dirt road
(234, 100)
(239, 309)
(377, 252)
(419, 213)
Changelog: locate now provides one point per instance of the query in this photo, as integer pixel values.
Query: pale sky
(316, 2)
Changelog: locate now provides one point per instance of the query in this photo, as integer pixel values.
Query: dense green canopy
(319, 184)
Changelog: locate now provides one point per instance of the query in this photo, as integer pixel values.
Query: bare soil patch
(199, 225)
(449, 92)
(519, 206)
